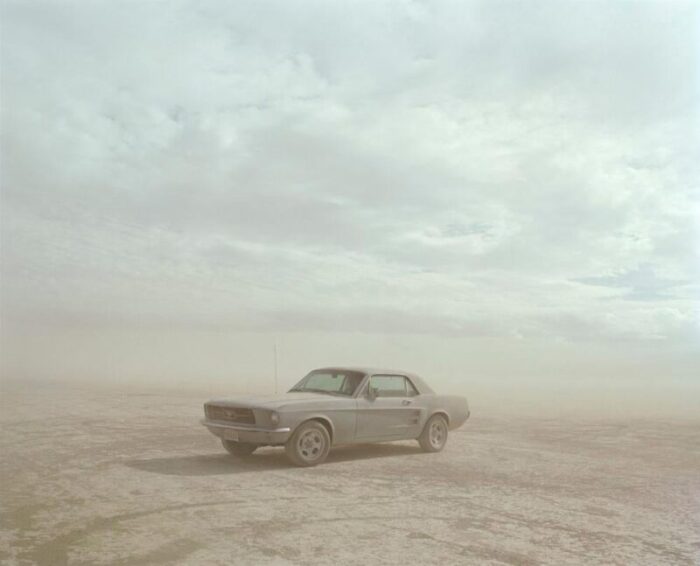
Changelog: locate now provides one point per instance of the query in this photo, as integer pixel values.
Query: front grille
(230, 414)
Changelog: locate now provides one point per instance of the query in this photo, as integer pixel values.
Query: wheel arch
(442, 413)
(323, 420)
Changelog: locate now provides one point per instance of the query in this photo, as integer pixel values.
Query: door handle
(406, 402)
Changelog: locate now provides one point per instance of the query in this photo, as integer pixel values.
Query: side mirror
(372, 393)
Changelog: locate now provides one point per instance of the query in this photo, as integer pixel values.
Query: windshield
(331, 382)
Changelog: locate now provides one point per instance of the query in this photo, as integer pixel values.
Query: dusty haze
(203, 198)
(500, 196)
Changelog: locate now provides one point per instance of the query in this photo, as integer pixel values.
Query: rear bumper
(251, 434)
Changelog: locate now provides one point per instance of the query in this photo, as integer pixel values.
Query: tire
(309, 445)
(434, 435)
(238, 449)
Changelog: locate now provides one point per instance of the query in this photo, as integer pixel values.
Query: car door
(392, 413)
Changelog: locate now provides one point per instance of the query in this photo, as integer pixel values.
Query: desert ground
(106, 476)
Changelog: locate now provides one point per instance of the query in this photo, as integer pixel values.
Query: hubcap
(437, 434)
(311, 445)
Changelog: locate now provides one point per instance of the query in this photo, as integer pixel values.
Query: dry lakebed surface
(108, 477)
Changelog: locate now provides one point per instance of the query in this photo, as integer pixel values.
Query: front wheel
(309, 445)
(238, 449)
(434, 435)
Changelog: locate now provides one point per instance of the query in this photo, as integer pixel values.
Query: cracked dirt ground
(97, 477)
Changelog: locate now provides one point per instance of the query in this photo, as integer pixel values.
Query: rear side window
(393, 386)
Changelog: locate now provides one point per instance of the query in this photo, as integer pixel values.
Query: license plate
(230, 434)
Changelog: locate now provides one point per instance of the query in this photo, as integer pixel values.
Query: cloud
(478, 169)
(641, 284)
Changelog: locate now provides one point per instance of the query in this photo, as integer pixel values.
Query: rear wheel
(238, 449)
(434, 435)
(309, 445)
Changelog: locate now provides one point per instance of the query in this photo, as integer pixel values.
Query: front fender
(341, 423)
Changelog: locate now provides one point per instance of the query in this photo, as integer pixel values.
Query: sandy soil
(105, 477)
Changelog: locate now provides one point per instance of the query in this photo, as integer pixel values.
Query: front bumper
(251, 434)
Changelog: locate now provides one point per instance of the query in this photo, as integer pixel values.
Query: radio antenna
(275, 356)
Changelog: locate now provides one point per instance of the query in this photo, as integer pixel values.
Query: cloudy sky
(417, 175)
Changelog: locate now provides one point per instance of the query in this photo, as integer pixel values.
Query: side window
(392, 386)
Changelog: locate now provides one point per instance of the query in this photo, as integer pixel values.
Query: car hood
(274, 401)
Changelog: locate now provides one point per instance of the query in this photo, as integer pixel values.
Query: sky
(495, 188)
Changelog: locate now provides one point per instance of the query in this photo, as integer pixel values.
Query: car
(334, 406)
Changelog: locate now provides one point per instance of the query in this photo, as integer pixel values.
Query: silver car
(333, 406)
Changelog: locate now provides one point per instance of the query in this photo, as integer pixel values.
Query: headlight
(274, 418)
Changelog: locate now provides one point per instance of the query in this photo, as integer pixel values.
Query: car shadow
(264, 459)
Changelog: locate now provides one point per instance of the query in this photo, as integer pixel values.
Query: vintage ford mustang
(332, 406)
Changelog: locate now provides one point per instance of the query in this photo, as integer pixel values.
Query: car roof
(365, 370)
(417, 380)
